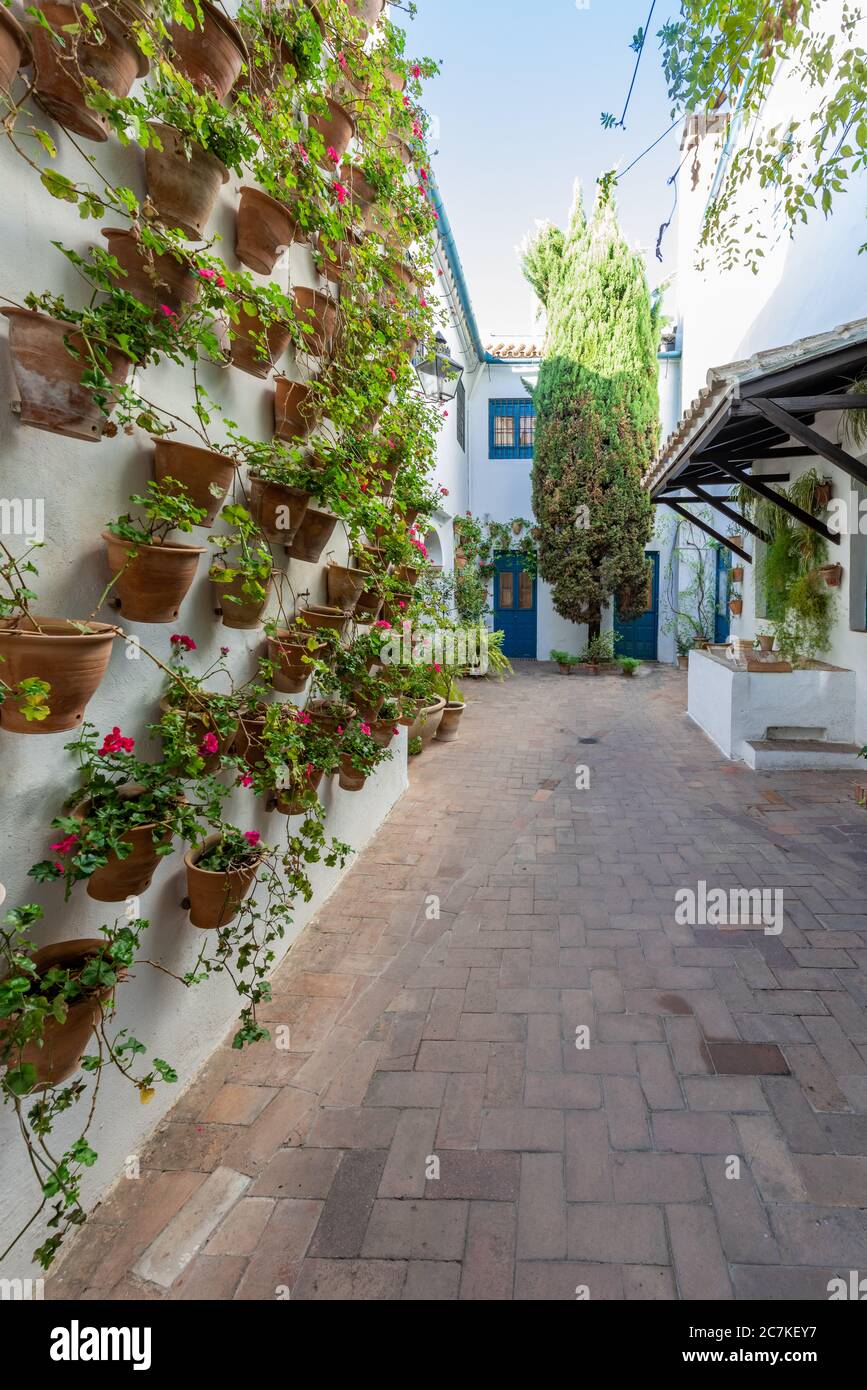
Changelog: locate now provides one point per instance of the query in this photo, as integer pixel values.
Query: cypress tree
(597, 409)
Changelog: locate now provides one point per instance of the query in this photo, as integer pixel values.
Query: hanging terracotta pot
(737, 607)
(264, 229)
(449, 726)
(737, 574)
(832, 575)
(361, 191)
(296, 800)
(197, 723)
(317, 616)
(337, 128)
(737, 541)
(48, 375)
(277, 508)
(62, 73)
(369, 605)
(384, 732)
(211, 55)
(131, 876)
(71, 662)
(63, 1044)
(336, 259)
(400, 147)
(248, 739)
(317, 315)
(351, 780)
(394, 609)
(15, 50)
(824, 493)
(312, 536)
(295, 409)
(153, 579)
(162, 280)
(345, 587)
(330, 716)
(244, 613)
(215, 898)
(287, 650)
(249, 337)
(206, 474)
(183, 191)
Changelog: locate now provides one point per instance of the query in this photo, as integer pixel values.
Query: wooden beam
(846, 361)
(757, 485)
(813, 441)
(809, 405)
(709, 531)
(729, 513)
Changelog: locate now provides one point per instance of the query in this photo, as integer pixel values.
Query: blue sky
(518, 103)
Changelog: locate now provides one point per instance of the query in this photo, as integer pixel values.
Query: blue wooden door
(638, 637)
(515, 606)
(722, 624)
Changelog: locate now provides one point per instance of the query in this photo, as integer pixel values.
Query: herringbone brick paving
(416, 1037)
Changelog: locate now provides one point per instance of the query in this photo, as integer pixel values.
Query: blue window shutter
(498, 434)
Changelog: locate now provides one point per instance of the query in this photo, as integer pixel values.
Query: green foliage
(600, 649)
(565, 658)
(628, 664)
(597, 408)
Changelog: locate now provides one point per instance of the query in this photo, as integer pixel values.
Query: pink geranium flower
(333, 155)
(209, 744)
(247, 779)
(116, 743)
(252, 837)
(65, 845)
(341, 193)
(301, 717)
(181, 640)
(365, 729)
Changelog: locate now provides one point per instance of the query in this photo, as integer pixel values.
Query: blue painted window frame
(516, 410)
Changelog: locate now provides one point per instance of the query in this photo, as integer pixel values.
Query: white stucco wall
(83, 485)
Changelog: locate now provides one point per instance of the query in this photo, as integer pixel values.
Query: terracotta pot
(766, 641)
(737, 606)
(396, 80)
(163, 280)
(368, 11)
(48, 376)
(337, 128)
(248, 336)
(411, 516)
(291, 801)
(683, 662)
(737, 541)
(155, 582)
(861, 795)
(400, 147)
(449, 727)
(199, 470)
(287, 650)
(120, 879)
(737, 574)
(564, 670)
(215, 898)
(211, 56)
(334, 266)
(63, 1044)
(198, 723)
(264, 228)
(317, 617)
(361, 192)
(384, 732)
(312, 536)
(246, 613)
(15, 50)
(71, 663)
(317, 313)
(345, 587)
(248, 739)
(350, 779)
(183, 191)
(323, 716)
(392, 611)
(61, 73)
(427, 722)
(824, 493)
(278, 508)
(295, 411)
(832, 575)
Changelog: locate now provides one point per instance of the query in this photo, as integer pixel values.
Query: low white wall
(736, 707)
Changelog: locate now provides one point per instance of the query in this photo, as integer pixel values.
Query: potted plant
(291, 654)
(211, 52)
(78, 47)
(345, 586)
(205, 474)
(334, 126)
(220, 873)
(360, 754)
(265, 227)
(628, 665)
(151, 574)
(832, 575)
(52, 1000)
(261, 327)
(120, 821)
(565, 661)
(736, 603)
(317, 319)
(599, 652)
(312, 535)
(150, 267)
(49, 667)
(737, 574)
(295, 408)
(278, 502)
(197, 726)
(242, 573)
(765, 642)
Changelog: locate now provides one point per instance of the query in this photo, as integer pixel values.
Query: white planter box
(736, 707)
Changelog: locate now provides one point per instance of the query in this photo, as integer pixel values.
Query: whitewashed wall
(83, 486)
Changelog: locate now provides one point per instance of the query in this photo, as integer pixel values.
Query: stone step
(802, 755)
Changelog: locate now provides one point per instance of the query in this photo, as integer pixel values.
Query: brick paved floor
(308, 1173)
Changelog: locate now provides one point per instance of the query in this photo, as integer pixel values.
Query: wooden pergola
(763, 412)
